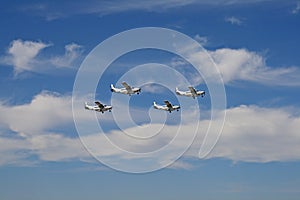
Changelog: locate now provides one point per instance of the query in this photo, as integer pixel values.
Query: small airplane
(191, 93)
(99, 107)
(168, 107)
(126, 90)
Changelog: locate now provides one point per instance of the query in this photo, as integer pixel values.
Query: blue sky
(255, 47)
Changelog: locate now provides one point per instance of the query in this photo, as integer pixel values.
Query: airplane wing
(169, 105)
(193, 91)
(127, 87)
(100, 105)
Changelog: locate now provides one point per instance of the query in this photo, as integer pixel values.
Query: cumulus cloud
(46, 110)
(26, 56)
(250, 134)
(31, 130)
(239, 65)
(22, 54)
(256, 134)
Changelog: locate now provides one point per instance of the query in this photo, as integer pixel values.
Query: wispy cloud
(72, 52)
(202, 40)
(26, 56)
(182, 165)
(52, 11)
(297, 8)
(234, 20)
(14, 151)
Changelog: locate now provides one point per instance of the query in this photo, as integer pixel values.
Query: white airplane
(126, 90)
(99, 107)
(168, 107)
(191, 93)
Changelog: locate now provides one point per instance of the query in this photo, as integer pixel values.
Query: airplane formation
(128, 90)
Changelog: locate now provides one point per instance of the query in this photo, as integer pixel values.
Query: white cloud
(234, 20)
(22, 54)
(72, 52)
(255, 134)
(297, 8)
(25, 56)
(152, 88)
(31, 130)
(46, 110)
(181, 165)
(14, 151)
(56, 147)
(251, 134)
(202, 40)
(243, 65)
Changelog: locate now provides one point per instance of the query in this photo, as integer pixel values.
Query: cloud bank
(251, 134)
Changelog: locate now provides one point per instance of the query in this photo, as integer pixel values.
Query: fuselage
(189, 93)
(97, 108)
(133, 90)
(166, 108)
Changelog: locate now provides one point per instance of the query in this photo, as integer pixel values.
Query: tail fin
(112, 88)
(177, 91)
(86, 105)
